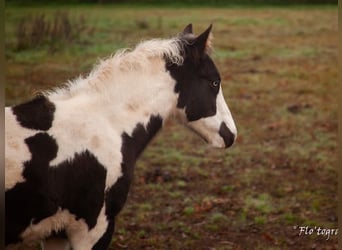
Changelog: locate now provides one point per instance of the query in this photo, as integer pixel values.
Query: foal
(70, 153)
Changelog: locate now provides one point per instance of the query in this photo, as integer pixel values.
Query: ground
(279, 75)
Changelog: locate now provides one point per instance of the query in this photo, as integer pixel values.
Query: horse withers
(70, 152)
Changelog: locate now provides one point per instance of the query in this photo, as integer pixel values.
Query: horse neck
(135, 102)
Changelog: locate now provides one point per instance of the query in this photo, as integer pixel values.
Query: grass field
(279, 71)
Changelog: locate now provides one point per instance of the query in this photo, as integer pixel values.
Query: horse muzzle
(227, 136)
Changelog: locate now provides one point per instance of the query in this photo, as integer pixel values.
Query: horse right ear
(187, 29)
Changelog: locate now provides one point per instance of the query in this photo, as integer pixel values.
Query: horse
(70, 151)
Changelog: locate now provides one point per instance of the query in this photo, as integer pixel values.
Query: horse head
(201, 105)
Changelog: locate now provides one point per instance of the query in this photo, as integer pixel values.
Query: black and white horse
(70, 153)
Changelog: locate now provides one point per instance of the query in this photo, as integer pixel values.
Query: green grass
(262, 203)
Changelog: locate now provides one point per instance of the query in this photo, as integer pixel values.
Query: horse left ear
(188, 29)
(203, 41)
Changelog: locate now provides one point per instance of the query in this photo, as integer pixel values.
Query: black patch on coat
(132, 147)
(35, 114)
(76, 184)
(194, 80)
(227, 135)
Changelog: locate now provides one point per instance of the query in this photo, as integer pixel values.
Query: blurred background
(278, 62)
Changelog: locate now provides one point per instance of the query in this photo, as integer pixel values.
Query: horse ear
(203, 41)
(188, 29)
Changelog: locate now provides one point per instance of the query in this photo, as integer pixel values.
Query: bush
(38, 31)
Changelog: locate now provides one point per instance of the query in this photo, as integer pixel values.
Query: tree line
(182, 2)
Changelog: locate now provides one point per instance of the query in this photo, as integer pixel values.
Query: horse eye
(215, 83)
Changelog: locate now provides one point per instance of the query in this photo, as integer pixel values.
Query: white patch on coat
(57, 222)
(16, 150)
(80, 237)
(224, 113)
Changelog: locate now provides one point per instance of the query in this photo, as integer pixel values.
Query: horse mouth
(218, 140)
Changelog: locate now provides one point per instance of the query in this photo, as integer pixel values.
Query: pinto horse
(70, 152)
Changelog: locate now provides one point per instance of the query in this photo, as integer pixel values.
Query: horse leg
(106, 239)
(83, 239)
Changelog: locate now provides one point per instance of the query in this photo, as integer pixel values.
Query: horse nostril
(227, 135)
